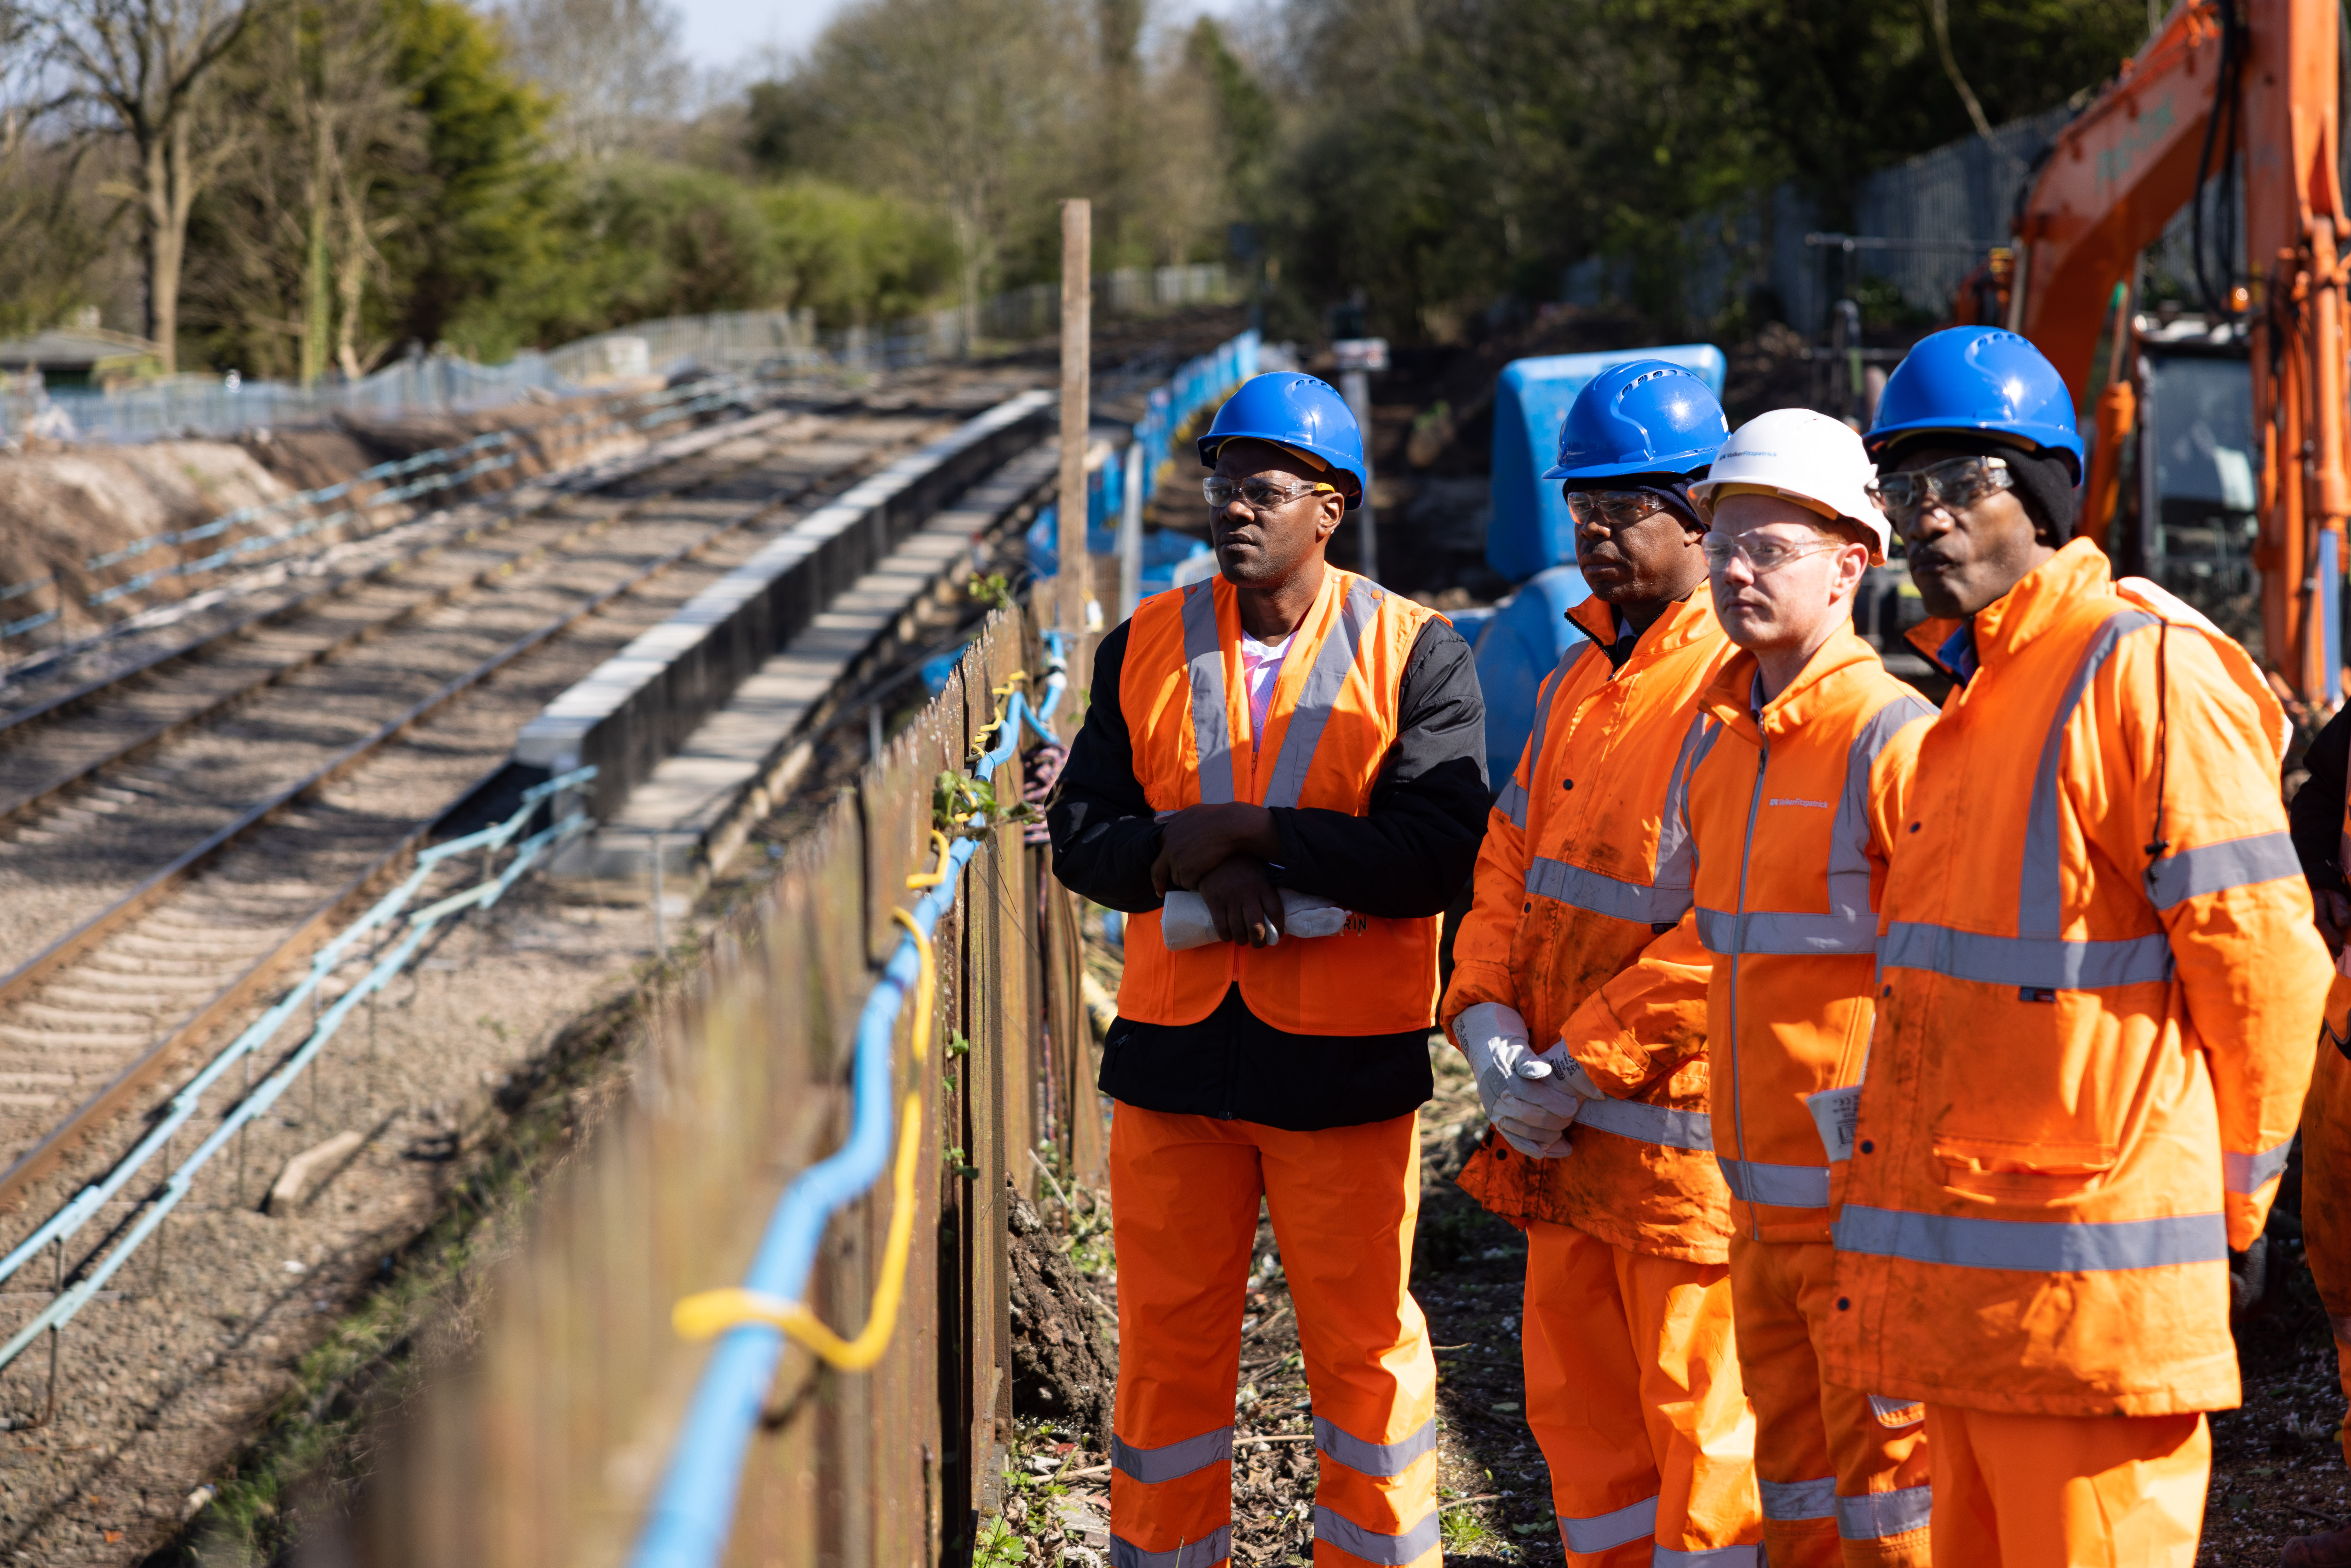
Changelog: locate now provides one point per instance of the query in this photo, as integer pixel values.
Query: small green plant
(998, 1547)
(958, 1046)
(994, 590)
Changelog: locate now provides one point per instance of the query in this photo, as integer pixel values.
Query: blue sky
(730, 35)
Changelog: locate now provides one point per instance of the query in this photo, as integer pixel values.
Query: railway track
(182, 836)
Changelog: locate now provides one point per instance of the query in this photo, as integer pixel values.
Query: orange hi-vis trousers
(1184, 1209)
(1632, 1391)
(2067, 1491)
(1844, 1473)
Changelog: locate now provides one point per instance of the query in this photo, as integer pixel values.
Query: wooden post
(1077, 396)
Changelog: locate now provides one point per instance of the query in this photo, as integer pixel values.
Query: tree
(612, 69)
(974, 105)
(141, 69)
(286, 244)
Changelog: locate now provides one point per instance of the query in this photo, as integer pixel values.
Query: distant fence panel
(733, 341)
(543, 1448)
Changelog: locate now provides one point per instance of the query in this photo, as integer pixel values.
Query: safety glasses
(1612, 509)
(1953, 486)
(1764, 556)
(1258, 495)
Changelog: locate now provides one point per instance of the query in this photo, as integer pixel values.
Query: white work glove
(1185, 922)
(1523, 1093)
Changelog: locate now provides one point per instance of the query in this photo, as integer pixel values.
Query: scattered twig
(1067, 1207)
(1270, 1319)
(1081, 1474)
(1466, 1502)
(1280, 1437)
(2327, 1520)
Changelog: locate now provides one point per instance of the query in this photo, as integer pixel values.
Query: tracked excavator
(2218, 463)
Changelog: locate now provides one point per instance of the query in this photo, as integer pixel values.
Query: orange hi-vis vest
(1329, 728)
(2099, 992)
(1583, 883)
(1790, 859)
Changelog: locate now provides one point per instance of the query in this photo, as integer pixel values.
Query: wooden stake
(1077, 350)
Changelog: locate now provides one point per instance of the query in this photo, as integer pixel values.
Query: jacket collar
(1685, 621)
(1729, 695)
(2047, 594)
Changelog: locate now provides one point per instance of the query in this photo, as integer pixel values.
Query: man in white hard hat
(1804, 740)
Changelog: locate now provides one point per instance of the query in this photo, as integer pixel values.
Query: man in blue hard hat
(1280, 778)
(1579, 996)
(2099, 993)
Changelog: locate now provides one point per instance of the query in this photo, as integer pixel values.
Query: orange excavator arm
(2113, 178)
(2116, 176)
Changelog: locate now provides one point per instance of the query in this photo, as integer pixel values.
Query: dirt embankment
(63, 506)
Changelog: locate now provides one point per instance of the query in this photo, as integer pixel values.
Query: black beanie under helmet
(2043, 474)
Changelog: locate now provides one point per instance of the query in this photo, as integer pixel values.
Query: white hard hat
(1812, 460)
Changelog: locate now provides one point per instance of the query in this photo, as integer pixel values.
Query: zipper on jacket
(1739, 926)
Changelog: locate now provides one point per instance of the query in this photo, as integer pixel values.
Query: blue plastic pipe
(694, 1511)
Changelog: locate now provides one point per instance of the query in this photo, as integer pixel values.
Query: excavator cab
(2189, 515)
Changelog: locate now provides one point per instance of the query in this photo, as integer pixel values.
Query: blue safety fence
(693, 1511)
(405, 479)
(384, 921)
(1198, 383)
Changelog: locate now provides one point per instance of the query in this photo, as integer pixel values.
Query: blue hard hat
(1645, 416)
(1978, 379)
(1296, 411)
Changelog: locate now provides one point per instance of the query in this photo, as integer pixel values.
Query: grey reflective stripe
(2248, 1174)
(1512, 804)
(2041, 891)
(1374, 1459)
(1211, 1548)
(1849, 837)
(2216, 868)
(1319, 694)
(1546, 690)
(1372, 1546)
(1896, 1412)
(1883, 1513)
(1716, 1557)
(1647, 1123)
(1677, 850)
(1783, 1186)
(2044, 962)
(1604, 894)
(1601, 1532)
(1803, 935)
(2040, 1247)
(1174, 1459)
(1204, 655)
(1799, 1500)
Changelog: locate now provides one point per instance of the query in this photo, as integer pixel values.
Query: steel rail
(182, 1109)
(81, 696)
(45, 1155)
(435, 599)
(81, 938)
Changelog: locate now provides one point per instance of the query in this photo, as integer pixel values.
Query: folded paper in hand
(1185, 920)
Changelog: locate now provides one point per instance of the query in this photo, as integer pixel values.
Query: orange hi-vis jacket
(2100, 988)
(1581, 885)
(1790, 859)
(1328, 727)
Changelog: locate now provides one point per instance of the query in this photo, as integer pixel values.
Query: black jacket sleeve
(2316, 814)
(1406, 859)
(1417, 844)
(1104, 835)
